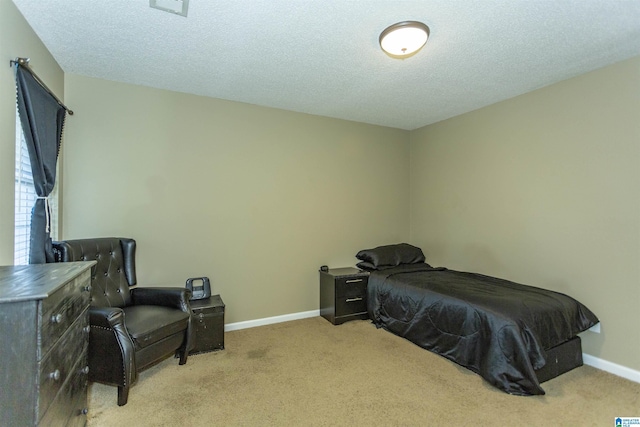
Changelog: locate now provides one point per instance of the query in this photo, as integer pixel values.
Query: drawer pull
(86, 329)
(354, 280)
(87, 288)
(55, 375)
(85, 370)
(57, 318)
(353, 299)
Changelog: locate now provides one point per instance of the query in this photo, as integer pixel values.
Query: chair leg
(123, 395)
(183, 357)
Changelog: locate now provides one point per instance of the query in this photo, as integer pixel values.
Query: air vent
(179, 7)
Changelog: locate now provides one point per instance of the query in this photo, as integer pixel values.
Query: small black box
(208, 324)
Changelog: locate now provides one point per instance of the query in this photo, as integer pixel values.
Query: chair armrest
(111, 350)
(111, 319)
(107, 317)
(168, 297)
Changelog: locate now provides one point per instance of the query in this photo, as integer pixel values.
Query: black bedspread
(494, 327)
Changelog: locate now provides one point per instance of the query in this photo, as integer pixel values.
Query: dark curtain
(42, 119)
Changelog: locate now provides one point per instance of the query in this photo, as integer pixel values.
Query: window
(25, 198)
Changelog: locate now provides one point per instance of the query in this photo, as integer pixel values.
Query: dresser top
(37, 281)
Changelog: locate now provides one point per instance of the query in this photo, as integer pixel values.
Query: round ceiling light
(404, 39)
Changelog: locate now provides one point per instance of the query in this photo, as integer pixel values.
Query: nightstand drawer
(351, 305)
(351, 286)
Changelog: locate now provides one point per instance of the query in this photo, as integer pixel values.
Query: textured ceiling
(323, 58)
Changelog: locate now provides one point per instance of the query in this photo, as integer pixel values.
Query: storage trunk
(208, 324)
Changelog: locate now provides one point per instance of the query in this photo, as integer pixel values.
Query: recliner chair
(131, 328)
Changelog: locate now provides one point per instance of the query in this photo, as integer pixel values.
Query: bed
(514, 336)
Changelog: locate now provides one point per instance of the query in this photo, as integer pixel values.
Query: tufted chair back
(114, 272)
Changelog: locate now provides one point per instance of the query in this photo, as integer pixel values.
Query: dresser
(343, 294)
(44, 332)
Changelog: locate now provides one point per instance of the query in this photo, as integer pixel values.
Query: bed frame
(560, 359)
(513, 335)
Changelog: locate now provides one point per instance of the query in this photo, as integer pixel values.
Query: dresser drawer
(70, 405)
(57, 366)
(62, 308)
(35, 347)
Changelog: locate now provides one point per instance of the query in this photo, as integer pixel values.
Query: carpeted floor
(311, 373)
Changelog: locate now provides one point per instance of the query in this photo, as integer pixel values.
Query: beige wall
(543, 189)
(254, 198)
(16, 40)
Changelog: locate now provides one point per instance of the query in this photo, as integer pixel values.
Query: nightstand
(343, 294)
(208, 324)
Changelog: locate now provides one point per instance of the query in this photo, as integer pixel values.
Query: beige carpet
(311, 373)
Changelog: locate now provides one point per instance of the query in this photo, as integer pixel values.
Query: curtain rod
(24, 63)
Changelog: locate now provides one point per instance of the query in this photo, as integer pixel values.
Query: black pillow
(391, 255)
(367, 266)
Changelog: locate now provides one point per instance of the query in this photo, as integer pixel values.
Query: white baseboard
(612, 368)
(604, 365)
(270, 320)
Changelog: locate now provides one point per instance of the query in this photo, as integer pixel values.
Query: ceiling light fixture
(179, 7)
(404, 39)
